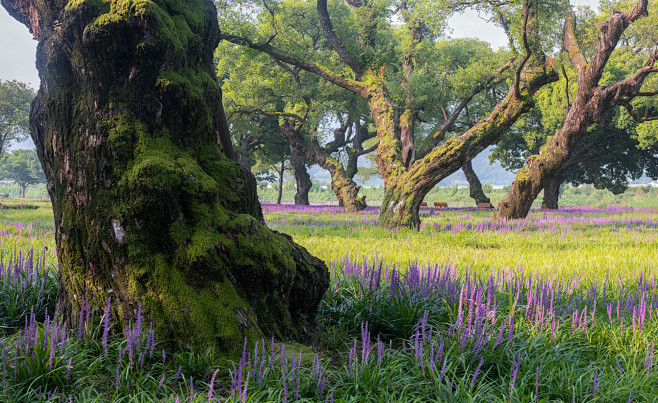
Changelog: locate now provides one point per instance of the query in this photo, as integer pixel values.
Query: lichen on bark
(148, 210)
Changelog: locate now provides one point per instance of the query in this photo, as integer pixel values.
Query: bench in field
(483, 206)
(440, 205)
(423, 204)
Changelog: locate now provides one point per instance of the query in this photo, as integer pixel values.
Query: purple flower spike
(106, 324)
(596, 378)
(477, 371)
(537, 382)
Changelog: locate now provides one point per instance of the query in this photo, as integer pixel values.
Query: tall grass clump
(28, 286)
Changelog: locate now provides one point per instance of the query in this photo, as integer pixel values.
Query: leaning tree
(148, 209)
(593, 98)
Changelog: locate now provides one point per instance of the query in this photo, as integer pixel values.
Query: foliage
(15, 100)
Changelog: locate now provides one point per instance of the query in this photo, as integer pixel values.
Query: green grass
(564, 249)
(558, 364)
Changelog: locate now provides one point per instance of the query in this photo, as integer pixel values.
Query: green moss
(145, 204)
(73, 5)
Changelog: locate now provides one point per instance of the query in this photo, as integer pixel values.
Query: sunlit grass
(511, 337)
(563, 248)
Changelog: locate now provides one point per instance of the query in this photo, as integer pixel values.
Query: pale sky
(18, 49)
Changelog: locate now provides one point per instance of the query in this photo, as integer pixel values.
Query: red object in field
(441, 204)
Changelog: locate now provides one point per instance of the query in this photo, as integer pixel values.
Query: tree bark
(281, 172)
(302, 178)
(147, 208)
(474, 185)
(552, 192)
(589, 105)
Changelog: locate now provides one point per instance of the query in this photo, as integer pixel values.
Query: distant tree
(15, 100)
(23, 167)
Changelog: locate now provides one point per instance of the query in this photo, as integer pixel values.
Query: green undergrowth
(607, 359)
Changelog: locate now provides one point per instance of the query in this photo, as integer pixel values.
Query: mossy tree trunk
(302, 178)
(552, 192)
(590, 104)
(147, 208)
(474, 185)
(406, 188)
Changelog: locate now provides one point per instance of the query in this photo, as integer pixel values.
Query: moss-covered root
(148, 210)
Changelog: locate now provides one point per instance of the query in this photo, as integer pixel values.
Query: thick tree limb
(444, 126)
(570, 41)
(335, 42)
(338, 79)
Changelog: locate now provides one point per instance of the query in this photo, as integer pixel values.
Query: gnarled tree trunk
(148, 210)
(589, 105)
(302, 178)
(345, 189)
(406, 188)
(474, 185)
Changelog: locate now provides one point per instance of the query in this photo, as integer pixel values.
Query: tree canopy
(15, 100)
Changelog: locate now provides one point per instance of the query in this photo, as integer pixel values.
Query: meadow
(556, 307)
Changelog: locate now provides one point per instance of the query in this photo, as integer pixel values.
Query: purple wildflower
(106, 324)
(596, 378)
(477, 371)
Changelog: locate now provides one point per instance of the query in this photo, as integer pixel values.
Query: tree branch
(570, 41)
(639, 119)
(621, 92)
(505, 25)
(526, 46)
(274, 34)
(335, 42)
(443, 127)
(341, 81)
(611, 31)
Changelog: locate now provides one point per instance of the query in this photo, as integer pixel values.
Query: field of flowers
(557, 307)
